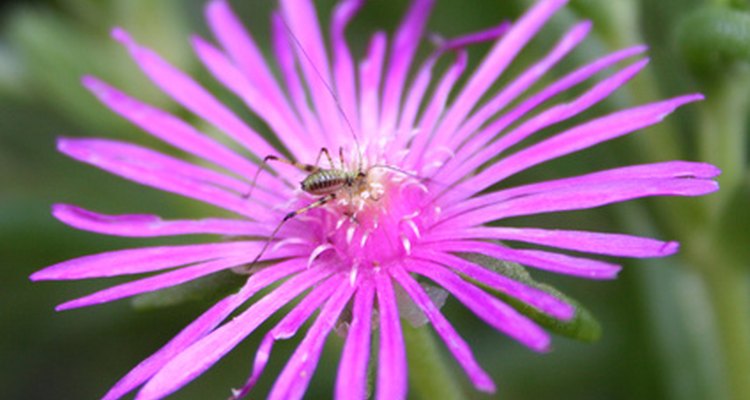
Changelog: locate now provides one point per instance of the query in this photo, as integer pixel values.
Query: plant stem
(723, 141)
(429, 376)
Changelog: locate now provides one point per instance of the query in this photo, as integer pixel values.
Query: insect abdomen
(324, 182)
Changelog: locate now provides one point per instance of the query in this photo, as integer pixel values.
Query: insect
(329, 183)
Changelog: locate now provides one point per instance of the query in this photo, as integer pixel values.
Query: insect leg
(321, 201)
(324, 150)
(304, 167)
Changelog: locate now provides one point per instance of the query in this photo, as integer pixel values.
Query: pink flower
(419, 160)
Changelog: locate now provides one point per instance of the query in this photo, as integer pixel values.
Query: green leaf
(712, 38)
(209, 288)
(583, 326)
(733, 234)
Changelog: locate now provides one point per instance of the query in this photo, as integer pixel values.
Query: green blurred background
(672, 329)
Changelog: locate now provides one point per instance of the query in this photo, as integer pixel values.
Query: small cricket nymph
(330, 183)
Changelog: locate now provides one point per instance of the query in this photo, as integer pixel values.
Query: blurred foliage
(661, 336)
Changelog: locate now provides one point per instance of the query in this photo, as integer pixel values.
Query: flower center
(377, 218)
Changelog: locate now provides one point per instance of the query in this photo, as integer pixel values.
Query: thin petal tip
(121, 35)
(669, 248)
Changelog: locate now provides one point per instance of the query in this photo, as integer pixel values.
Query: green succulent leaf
(712, 38)
(735, 218)
(583, 326)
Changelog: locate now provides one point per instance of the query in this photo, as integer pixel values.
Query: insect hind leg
(323, 200)
(304, 167)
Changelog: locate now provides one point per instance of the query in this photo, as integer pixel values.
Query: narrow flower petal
(491, 310)
(351, 379)
(295, 377)
(286, 329)
(469, 39)
(590, 242)
(163, 172)
(568, 81)
(517, 87)
(171, 129)
(457, 346)
(564, 264)
(539, 299)
(285, 50)
(147, 225)
(392, 368)
(156, 282)
(202, 326)
(241, 46)
(436, 107)
(304, 29)
(588, 196)
(664, 170)
(370, 73)
(343, 65)
(498, 59)
(202, 354)
(415, 94)
(193, 96)
(410, 201)
(549, 117)
(403, 47)
(140, 260)
(232, 78)
(578, 138)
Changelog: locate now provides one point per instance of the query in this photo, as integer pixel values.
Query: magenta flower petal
(170, 129)
(231, 77)
(146, 225)
(491, 310)
(554, 262)
(564, 83)
(201, 326)
(469, 158)
(577, 138)
(140, 260)
(351, 381)
(511, 92)
(194, 97)
(242, 49)
(541, 300)
(591, 242)
(163, 172)
(590, 196)
(665, 171)
(286, 329)
(294, 378)
(370, 72)
(403, 47)
(343, 64)
(156, 282)
(457, 346)
(200, 355)
(498, 59)
(392, 176)
(392, 370)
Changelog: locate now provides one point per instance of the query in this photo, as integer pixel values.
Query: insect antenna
(329, 89)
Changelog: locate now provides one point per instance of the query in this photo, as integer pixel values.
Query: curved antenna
(328, 87)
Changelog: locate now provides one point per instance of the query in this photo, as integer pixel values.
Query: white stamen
(406, 243)
(353, 274)
(318, 251)
(350, 234)
(414, 228)
(363, 240)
